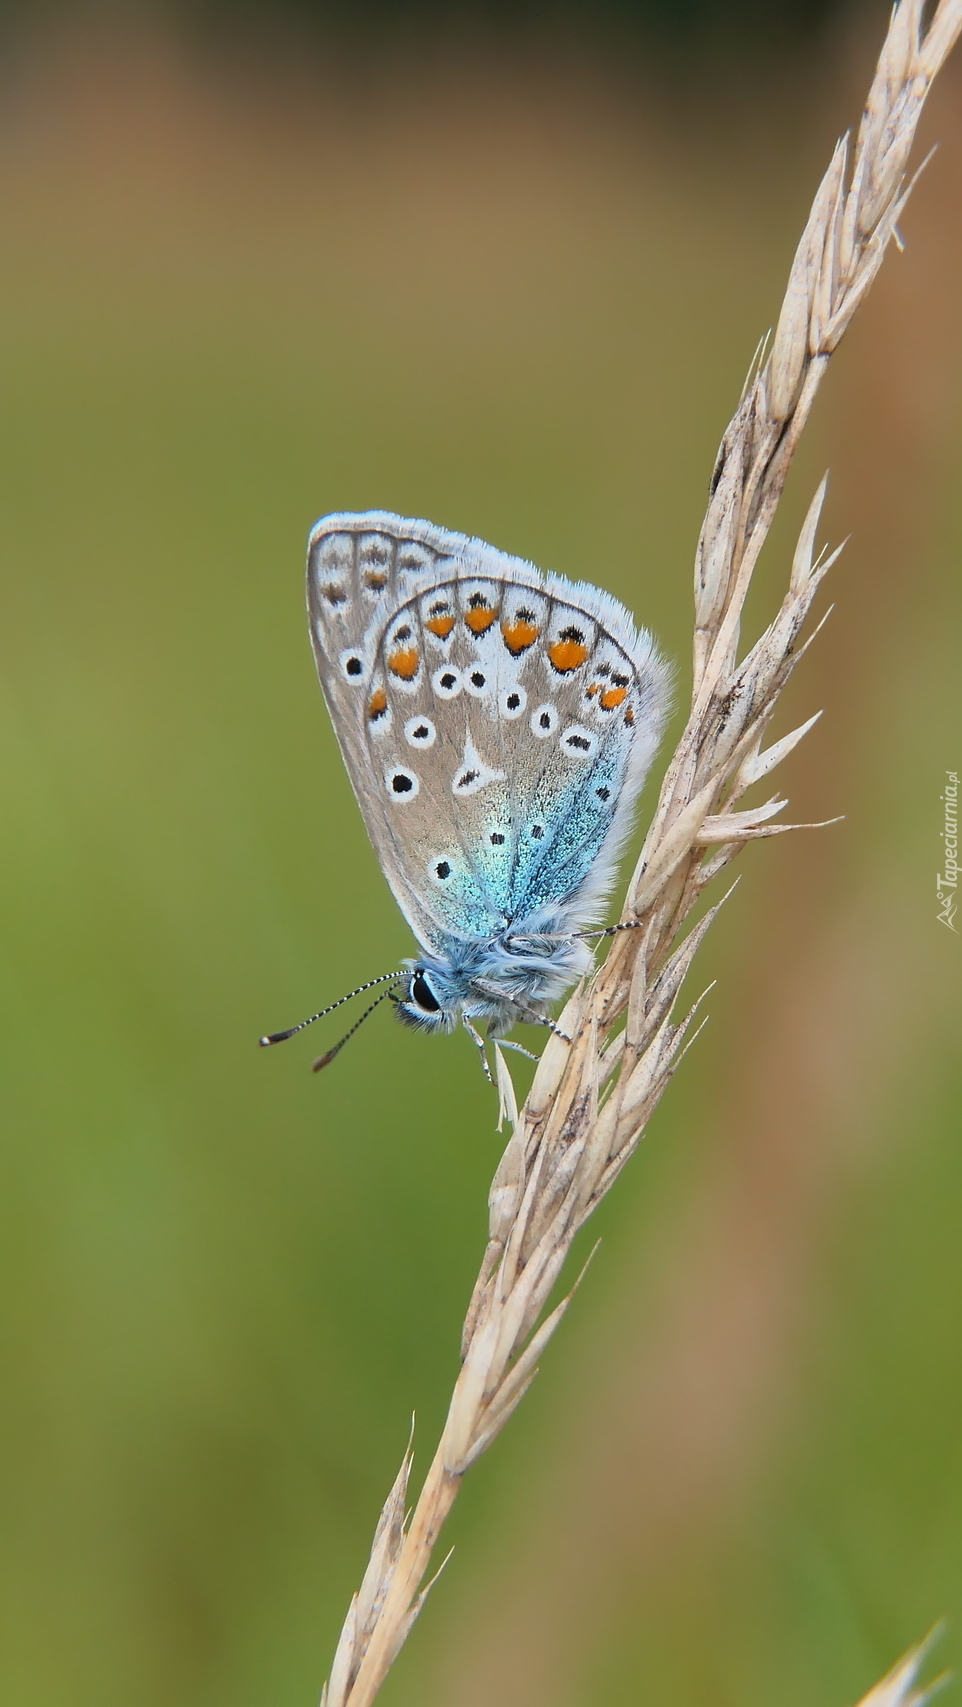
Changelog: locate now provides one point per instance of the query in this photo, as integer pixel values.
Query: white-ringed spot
(401, 784)
(578, 742)
(352, 665)
(420, 732)
(476, 681)
(512, 702)
(446, 682)
(544, 721)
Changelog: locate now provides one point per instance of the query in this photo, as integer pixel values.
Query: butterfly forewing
(496, 723)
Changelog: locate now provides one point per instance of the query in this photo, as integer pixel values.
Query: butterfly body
(497, 980)
(497, 724)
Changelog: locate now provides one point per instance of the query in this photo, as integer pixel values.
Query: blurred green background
(509, 279)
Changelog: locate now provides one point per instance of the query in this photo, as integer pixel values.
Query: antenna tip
(276, 1037)
(323, 1061)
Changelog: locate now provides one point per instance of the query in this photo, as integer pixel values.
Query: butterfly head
(431, 1000)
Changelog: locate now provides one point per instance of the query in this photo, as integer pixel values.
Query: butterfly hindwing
(496, 723)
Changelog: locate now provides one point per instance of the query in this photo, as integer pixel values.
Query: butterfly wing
(496, 723)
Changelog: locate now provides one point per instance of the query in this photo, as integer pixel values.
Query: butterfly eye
(423, 995)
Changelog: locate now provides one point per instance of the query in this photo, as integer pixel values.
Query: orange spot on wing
(629, 717)
(593, 689)
(479, 619)
(612, 697)
(518, 636)
(377, 704)
(404, 663)
(567, 655)
(375, 579)
(334, 594)
(440, 625)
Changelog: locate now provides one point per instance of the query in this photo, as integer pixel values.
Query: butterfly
(497, 724)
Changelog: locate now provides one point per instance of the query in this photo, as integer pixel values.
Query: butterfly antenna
(612, 930)
(282, 1036)
(325, 1060)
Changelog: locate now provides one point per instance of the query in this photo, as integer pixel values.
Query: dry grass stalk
(898, 1687)
(590, 1101)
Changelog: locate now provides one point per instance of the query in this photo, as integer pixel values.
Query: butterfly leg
(530, 1014)
(479, 1040)
(586, 936)
(507, 1044)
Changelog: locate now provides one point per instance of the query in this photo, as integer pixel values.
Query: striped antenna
(325, 1060)
(282, 1036)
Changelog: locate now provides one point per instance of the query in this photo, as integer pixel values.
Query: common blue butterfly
(497, 725)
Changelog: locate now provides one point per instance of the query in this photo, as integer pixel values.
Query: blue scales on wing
(496, 723)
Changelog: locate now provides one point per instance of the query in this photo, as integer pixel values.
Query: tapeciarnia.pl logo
(947, 882)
